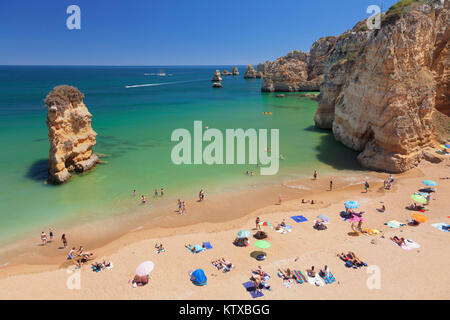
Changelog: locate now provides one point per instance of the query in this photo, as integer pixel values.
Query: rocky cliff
(70, 134)
(298, 71)
(250, 72)
(381, 87)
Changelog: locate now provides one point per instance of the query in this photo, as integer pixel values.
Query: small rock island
(70, 134)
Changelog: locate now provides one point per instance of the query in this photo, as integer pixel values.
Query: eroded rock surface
(381, 87)
(70, 134)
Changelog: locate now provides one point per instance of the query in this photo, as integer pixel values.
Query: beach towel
(198, 249)
(250, 287)
(330, 279)
(412, 244)
(440, 226)
(299, 219)
(207, 245)
(299, 277)
(316, 281)
(395, 224)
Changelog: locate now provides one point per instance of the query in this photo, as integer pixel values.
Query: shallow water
(134, 126)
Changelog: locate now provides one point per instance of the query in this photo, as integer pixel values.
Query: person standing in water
(162, 192)
(183, 210)
(179, 206)
(143, 200)
(134, 192)
(331, 185)
(64, 240)
(156, 192)
(43, 238)
(50, 233)
(366, 186)
(315, 174)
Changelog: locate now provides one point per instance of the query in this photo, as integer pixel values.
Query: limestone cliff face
(70, 134)
(250, 72)
(298, 71)
(381, 87)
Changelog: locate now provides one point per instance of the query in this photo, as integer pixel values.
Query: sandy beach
(403, 274)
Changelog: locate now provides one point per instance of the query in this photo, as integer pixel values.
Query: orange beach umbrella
(419, 217)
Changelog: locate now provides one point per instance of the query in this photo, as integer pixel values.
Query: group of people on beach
(44, 238)
(156, 194)
(181, 206)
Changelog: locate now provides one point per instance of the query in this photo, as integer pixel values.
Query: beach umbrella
(429, 183)
(244, 234)
(352, 204)
(145, 268)
(419, 217)
(444, 147)
(419, 198)
(262, 244)
(323, 218)
(447, 146)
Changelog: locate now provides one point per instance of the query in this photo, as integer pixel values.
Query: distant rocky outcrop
(382, 87)
(70, 134)
(235, 71)
(250, 72)
(218, 85)
(226, 73)
(298, 71)
(217, 77)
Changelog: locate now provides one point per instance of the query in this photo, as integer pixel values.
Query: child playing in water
(143, 200)
(156, 192)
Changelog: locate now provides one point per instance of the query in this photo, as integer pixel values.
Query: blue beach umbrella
(447, 146)
(244, 234)
(429, 183)
(352, 204)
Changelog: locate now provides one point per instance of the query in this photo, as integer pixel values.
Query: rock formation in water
(70, 134)
(250, 72)
(218, 85)
(298, 71)
(381, 87)
(217, 77)
(226, 73)
(235, 71)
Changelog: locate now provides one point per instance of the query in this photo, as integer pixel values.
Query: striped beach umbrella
(419, 199)
(244, 234)
(352, 204)
(429, 183)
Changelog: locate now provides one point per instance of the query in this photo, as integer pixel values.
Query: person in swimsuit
(311, 272)
(179, 206)
(257, 222)
(331, 185)
(156, 192)
(143, 200)
(162, 192)
(50, 233)
(43, 238)
(183, 210)
(64, 240)
(315, 174)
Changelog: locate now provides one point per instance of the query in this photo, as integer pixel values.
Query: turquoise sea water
(134, 127)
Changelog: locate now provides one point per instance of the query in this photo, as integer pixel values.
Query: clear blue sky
(169, 32)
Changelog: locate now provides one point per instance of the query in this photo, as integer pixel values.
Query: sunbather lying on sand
(286, 274)
(311, 272)
(97, 266)
(352, 258)
(191, 247)
(325, 272)
(159, 248)
(259, 271)
(398, 241)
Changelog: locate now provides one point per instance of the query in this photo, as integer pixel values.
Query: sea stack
(217, 77)
(235, 71)
(70, 134)
(250, 72)
(226, 73)
(383, 88)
